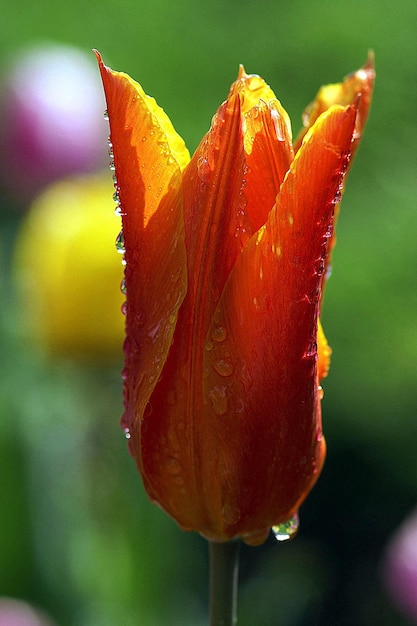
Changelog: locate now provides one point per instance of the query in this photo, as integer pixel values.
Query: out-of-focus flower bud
(400, 567)
(52, 119)
(18, 613)
(68, 271)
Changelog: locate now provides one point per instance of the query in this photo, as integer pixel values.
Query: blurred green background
(77, 535)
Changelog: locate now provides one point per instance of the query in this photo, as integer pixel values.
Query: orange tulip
(225, 261)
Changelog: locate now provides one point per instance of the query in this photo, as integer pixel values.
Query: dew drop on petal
(219, 399)
(219, 334)
(203, 169)
(230, 513)
(173, 466)
(120, 243)
(127, 433)
(286, 530)
(223, 367)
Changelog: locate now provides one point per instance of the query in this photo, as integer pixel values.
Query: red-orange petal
(172, 445)
(269, 154)
(359, 84)
(261, 372)
(357, 87)
(148, 157)
(217, 225)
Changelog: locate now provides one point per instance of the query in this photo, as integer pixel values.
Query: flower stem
(224, 570)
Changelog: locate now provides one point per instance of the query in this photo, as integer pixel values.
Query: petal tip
(370, 61)
(98, 56)
(242, 72)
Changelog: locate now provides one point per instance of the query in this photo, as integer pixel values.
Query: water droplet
(311, 351)
(320, 392)
(127, 433)
(123, 286)
(286, 530)
(118, 211)
(120, 243)
(124, 308)
(338, 196)
(230, 513)
(319, 267)
(219, 334)
(112, 166)
(219, 399)
(116, 196)
(153, 332)
(223, 367)
(140, 318)
(203, 169)
(208, 345)
(173, 466)
(106, 115)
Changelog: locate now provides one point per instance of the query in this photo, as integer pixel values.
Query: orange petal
(358, 84)
(268, 157)
(268, 148)
(261, 372)
(356, 87)
(148, 157)
(217, 225)
(173, 440)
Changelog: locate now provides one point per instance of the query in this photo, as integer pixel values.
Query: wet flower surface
(226, 256)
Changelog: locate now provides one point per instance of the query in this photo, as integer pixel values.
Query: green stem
(224, 570)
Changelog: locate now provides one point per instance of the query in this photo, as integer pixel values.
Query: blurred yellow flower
(67, 271)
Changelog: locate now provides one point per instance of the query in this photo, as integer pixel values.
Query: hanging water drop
(106, 115)
(286, 530)
(127, 433)
(120, 243)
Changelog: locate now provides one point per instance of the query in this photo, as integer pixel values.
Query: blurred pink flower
(400, 567)
(18, 613)
(52, 118)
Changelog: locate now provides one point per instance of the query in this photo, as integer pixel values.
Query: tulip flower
(64, 265)
(399, 567)
(18, 613)
(226, 257)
